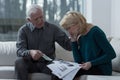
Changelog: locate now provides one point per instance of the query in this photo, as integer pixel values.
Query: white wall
(88, 10)
(105, 14)
(101, 16)
(115, 18)
(98, 12)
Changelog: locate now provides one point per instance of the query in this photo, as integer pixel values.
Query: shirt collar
(32, 27)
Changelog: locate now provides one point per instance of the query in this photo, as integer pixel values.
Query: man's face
(37, 19)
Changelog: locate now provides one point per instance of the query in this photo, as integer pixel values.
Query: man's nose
(39, 20)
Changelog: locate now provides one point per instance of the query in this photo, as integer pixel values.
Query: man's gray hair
(33, 9)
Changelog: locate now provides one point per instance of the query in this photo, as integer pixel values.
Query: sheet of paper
(46, 57)
(71, 75)
(63, 68)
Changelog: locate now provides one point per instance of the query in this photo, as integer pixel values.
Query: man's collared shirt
(42, 39)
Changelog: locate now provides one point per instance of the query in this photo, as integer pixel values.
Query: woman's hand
(73, 37)
(86, 66)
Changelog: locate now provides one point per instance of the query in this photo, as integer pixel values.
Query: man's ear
(28, 19)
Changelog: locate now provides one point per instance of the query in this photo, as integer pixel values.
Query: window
(13, 13)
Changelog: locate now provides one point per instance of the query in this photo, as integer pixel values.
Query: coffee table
(8, 79)
(103, 77)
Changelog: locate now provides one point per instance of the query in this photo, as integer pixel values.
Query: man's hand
(86, 66)
(36, 54)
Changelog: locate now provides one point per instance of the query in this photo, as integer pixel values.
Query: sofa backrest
(63, 54)
(115, 42)
(7, 53)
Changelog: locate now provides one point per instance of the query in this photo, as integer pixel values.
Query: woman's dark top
(95, 48)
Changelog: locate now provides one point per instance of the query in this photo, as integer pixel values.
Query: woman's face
(73, 30)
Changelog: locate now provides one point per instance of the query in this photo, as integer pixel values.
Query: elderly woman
(90, 46)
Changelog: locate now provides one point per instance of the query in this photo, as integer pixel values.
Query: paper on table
(71, 75)
(46, 57)
(63, 68)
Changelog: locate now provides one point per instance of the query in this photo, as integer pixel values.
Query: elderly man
(35, 38)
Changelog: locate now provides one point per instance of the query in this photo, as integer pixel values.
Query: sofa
(8, 57)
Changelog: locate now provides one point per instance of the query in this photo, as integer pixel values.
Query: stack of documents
(64, 69)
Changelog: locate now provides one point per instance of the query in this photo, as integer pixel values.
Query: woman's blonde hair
(72, 18)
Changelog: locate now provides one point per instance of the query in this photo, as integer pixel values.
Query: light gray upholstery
(63, 54)
(7, 72)
(115, 42)
(40, 76)
(7, 53)
(8, 57)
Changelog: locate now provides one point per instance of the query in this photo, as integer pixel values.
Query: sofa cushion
(40, 76)
(115, 42)
(7, 72)
(7, 53)
(114, 73)
(63, 54)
